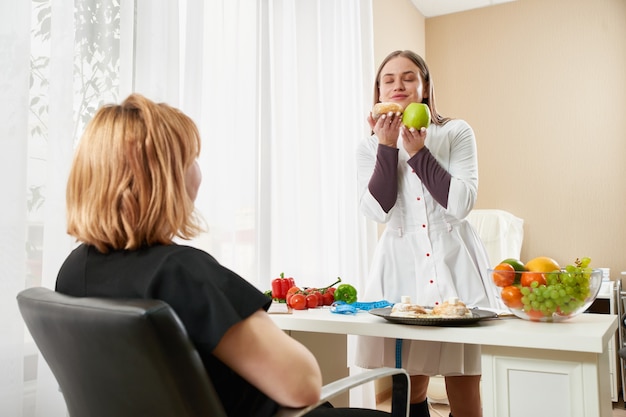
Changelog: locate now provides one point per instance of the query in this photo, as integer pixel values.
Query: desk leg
(331, 352)
(521, 382)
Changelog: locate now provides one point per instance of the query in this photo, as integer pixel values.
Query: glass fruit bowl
(547, 296)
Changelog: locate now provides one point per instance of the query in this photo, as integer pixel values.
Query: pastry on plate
(452, 308)
(405, 309)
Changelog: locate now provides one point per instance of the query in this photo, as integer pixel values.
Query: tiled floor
(442, 410)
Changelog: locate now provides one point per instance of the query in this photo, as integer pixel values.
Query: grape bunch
(563, 293)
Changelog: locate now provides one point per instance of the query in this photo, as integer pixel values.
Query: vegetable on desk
(281, 285)
(345, 293)
(302, 298)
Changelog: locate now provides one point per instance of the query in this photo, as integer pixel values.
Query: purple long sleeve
(383, 184)
(433, 176)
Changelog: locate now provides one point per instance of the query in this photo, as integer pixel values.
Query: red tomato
(328, 298)
(298, 301)
(311, 301)
(320, 298)
(503, 275)
(331, 290)
(290, 292)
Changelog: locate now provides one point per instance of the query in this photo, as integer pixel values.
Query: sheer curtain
(280, 90)
(281, 112)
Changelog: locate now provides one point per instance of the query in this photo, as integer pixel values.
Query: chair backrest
(122, 358)
(501, 232)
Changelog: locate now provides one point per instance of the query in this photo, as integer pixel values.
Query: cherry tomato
(328, 298)
(503, 274)
(290, 292)
(311, 301)
(298, 301)
(320, 298)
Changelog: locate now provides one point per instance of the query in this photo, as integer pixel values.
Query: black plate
(477, 315)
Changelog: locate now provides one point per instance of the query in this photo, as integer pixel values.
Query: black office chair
(130, 358)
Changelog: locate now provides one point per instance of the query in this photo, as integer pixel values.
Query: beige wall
(397, 25)
(543, 84)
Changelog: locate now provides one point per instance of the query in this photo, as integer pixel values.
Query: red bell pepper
(281, 285)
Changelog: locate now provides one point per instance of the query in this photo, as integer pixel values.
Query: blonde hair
(126, 187)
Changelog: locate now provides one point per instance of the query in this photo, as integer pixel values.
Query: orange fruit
(534, 315)
(503, 274)
(512, 297)
(529, 277)
(542, 264)
(518, 265)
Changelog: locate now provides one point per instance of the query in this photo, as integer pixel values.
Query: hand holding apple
(416, 115)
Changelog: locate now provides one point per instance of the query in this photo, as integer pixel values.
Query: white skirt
(419, 357)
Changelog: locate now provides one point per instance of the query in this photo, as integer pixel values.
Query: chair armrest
(400, 391)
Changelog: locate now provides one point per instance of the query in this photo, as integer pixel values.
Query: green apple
(416, 115)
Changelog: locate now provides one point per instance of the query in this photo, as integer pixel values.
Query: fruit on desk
(559, 292)
(416, 115)
(328, 297)
(542, 264)
(302, 298)
(518, 266)
(311, 300)
(503, 274)
(328, 293)
(512, 296)
(529, 277)
(298, 301)
(293, 290)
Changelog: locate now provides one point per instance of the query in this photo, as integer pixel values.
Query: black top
(207, 297)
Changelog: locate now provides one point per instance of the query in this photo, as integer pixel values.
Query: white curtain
(279, 89)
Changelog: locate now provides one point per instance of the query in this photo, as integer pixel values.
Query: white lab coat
(426, 251)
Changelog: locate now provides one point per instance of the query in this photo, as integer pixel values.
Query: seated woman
(130, 192)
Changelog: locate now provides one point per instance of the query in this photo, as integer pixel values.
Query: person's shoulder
(181, 254)
(454, 129)
(77, 255)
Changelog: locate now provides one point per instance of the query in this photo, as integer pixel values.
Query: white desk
(529, 368)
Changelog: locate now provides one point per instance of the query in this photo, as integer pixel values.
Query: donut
(386, 107)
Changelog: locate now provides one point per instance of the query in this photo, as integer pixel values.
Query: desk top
(584, 333)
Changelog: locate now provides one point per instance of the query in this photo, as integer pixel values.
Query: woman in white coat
(422, 184)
